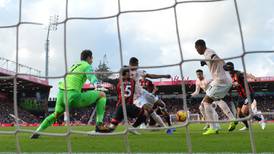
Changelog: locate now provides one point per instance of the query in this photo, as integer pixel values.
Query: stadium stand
(32, 95)
(34, 104)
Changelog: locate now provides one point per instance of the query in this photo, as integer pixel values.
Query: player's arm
(91, 77)
(240, 76)
(155, 90)
(156, 76)
(197, 90)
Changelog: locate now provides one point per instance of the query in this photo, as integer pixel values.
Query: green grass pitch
(149, 141)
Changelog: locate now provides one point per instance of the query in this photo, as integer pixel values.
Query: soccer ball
(181, 116)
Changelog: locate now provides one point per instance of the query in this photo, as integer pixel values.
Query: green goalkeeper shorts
(75, 99)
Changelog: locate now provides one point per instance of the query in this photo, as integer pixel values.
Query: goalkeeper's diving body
(76, 98)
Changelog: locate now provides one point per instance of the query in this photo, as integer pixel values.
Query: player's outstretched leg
(45, 124)
(132, 112)
(259, 117)
(49, 120)
(202, 111)
(262, 122)
(100, 112)
(166, 117)
(85, 99)
(245, 123)
(209, 114)
(223, 105)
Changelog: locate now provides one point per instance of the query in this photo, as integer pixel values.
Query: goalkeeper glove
(99, 87)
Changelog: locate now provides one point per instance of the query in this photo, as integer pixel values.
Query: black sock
(257, 118)
(152, 122)
(167, 118)
(139, 121)
(245, 121)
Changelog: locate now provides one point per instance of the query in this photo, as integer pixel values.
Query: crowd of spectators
(7, 114)
(264, 104)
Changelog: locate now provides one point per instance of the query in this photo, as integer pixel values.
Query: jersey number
(127, 90)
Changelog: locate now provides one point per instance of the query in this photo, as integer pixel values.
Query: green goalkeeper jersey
(76, 81)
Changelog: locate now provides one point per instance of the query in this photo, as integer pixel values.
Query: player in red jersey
(132, 110)
(147, 85)
(238, 84)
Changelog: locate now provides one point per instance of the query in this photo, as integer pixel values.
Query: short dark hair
(229, 66)
(125, 70)
(133, 61)
(85, 54)
(200, 42)
(199, 70)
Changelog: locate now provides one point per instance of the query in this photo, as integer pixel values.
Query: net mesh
(179, 65)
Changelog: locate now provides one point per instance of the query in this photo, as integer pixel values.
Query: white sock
(225, 109)
(158, 119)
(216, 118)
(254, 106)
(261, 116)
(112, 126)
(209, 114)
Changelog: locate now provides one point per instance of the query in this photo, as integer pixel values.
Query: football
(181, 116)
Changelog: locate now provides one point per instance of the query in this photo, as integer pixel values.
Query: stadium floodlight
(52, 26)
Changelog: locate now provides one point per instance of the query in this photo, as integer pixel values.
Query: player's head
(200, 74)
(86, 55)
(229, 66)
(133, 62)
(200, 46)
(125, 73)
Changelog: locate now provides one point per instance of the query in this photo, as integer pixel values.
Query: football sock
(245, 121)
(167, 118)
(158, 119)
(257, 118)
(225, 109)
(216, 118)
(202, 110)
(100, 110)
(209, 114)
(47, 122)
(139, 121)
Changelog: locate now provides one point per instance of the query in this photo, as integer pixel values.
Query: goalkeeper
(76, 98)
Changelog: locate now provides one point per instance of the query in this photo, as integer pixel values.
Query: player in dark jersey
(132, 110)
(147, 85)
(238, 84)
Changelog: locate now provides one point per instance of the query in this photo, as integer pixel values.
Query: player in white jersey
(143, 98)
(218, 87)
(202, 83)
(258, 113)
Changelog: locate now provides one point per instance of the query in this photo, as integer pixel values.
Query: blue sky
(149, 36)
